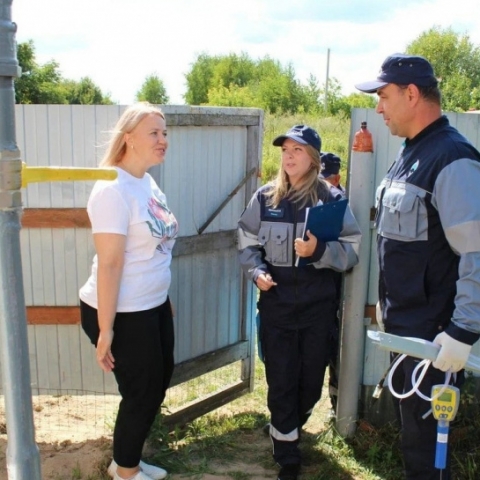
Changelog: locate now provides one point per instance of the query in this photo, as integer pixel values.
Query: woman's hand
(110, 249)
(265, 282)
(104, 353)
(305, 248)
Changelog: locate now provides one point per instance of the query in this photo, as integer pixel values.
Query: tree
(233, 69)
(85, 92)
(234, 96)
(199, 79)
(237, 80)
(37, 84)
(311, 94)
(41, 84)
(476, 98)
(456, 62)
(341, 105)
(278, 90)
(153, 91)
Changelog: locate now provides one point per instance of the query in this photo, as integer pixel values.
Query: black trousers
(334, 345)
(295, 363)
(333, 369)
(418, 435)
(142, 347)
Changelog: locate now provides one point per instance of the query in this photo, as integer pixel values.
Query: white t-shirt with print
(136, 208)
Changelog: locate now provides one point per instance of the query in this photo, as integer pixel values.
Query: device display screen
(445, 397)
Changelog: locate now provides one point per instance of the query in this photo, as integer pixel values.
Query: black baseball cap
(402, 69)
(302, 134)
(330, 164)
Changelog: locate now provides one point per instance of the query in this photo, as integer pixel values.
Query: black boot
(289, 471)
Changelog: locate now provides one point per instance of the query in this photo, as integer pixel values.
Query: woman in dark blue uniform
(297, 305)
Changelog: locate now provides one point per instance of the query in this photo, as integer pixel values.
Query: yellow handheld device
(445, 401)
(445, 405)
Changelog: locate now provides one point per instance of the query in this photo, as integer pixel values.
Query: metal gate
(209, 175)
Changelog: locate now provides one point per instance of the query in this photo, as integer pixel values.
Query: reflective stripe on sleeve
(246, 239)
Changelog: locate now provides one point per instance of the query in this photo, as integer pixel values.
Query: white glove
(453, 355)
(378, 314)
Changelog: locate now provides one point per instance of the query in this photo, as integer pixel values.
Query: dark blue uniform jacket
(428, 221)
(266, 237)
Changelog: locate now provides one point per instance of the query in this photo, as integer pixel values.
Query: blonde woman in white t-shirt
(125, 308)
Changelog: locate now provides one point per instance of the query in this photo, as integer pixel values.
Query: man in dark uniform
(428, 222)
(330, 172)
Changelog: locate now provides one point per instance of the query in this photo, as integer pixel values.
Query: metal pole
(325, 101)
(361, 188)
(23, 458)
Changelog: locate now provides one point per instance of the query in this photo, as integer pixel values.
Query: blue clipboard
(325, 222)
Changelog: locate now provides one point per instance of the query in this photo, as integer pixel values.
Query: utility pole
(325, 101)
(23, 457)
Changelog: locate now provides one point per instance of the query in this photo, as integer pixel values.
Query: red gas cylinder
(363, 141)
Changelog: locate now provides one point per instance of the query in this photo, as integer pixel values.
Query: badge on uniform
(275, 212)
(413, 168)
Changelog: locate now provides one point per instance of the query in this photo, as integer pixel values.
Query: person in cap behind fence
(125, 308)
(428, 243)
(330, 172)
(297, 305)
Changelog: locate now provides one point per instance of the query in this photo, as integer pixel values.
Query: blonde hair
(308, 187)
(128, 121)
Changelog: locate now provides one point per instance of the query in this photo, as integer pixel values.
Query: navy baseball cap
(302, 134)
(402, 69)
(330, 164)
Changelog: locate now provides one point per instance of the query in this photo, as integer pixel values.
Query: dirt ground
(73, 434)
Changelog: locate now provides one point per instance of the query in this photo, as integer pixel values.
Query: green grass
(222, 440)
(219, 442)
(202, 386)
(230, 442)
(217, 439)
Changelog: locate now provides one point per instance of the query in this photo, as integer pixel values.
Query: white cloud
(119, 42)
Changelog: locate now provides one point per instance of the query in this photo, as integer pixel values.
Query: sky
(118, 43)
